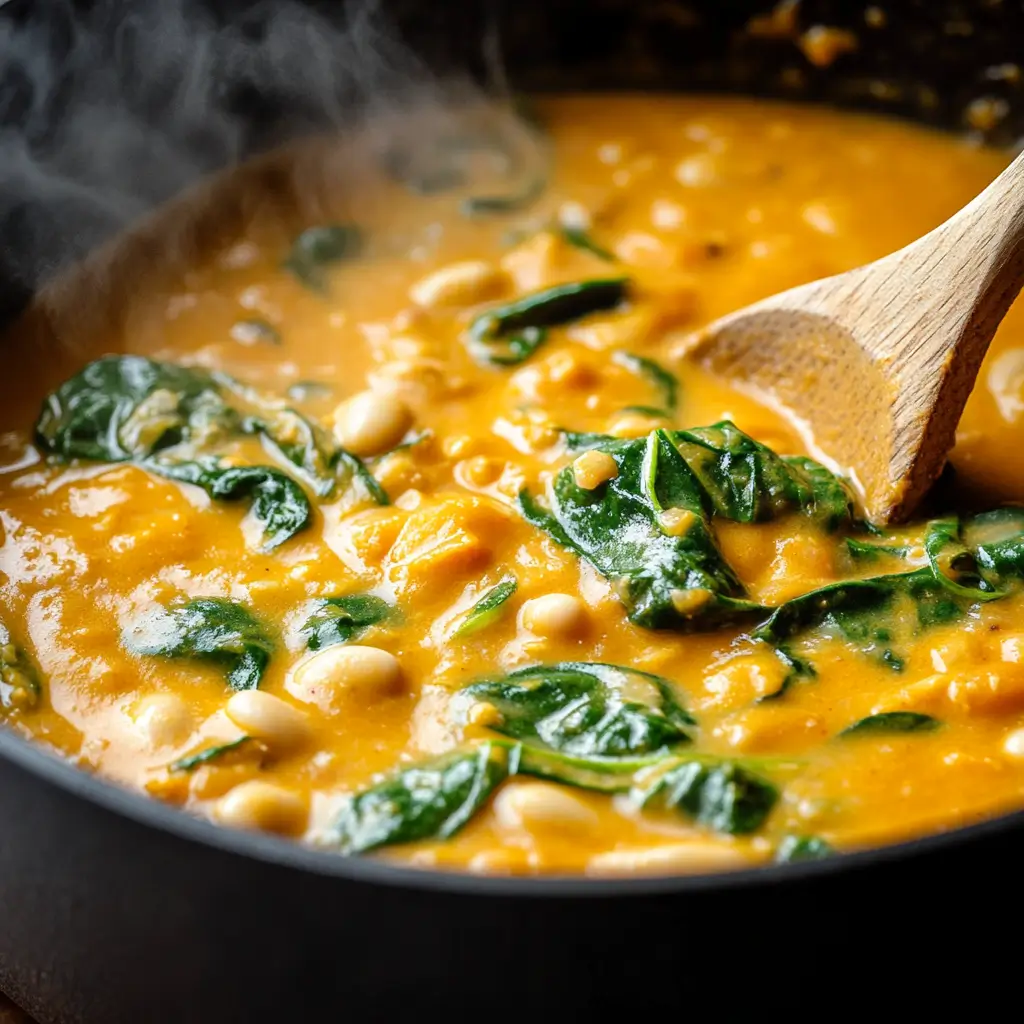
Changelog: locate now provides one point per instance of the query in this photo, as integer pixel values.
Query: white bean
(371, 422)
(541, 807)
(344, 672)
(685, 858)
(164, 720)
(268, 718)
(554, 615)
(1013, 744)
(261, 805)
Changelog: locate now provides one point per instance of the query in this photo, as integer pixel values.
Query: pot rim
(294, 855)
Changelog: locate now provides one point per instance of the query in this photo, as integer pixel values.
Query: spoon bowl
(876, 364)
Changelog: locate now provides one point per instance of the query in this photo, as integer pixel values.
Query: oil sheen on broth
(555, 648)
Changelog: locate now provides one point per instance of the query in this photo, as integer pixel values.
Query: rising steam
(108, 110)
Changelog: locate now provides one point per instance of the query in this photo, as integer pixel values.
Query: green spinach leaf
(20, 685)
(892, 722)
(953, 564)
(747, 482)
(428, 801)
(127, 407)
(509, 334)
(665, 577)
(214, 753)
(320, 247)
(997, 540)
(666, 383)
(208, 629)
(336, 620)
(488, 609)
(277, 502)
(798, 848)
(580, 239)
(586, 709)
(721, 795)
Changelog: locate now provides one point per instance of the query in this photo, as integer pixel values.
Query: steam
(107, 111)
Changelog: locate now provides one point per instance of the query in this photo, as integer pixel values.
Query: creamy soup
(410, 532)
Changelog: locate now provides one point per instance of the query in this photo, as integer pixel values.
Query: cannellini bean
(371, 422)
(268, 718)
(164, 720)
(541, 807)
(554, 615)
(593, 468)
(1013, 744)
(458, 284)
(261, 805)
(329, 678)
(689, 857)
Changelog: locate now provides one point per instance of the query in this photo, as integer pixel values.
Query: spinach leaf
(20, 686)
(319, 247)
(797, 848)
(488, 609)
(747, 482)
(580, 239)
(797, 670)
(892, 722)
(599, 774)
(864, 551)
(509, 334)
(997, 540)
(953, 564)
(278, 503)
(666, 577)
(585, 709)
(336, 620)
(428, 801)
(721, 795)
(309, 449)
(214, 753)
(127, 407)
(666, 383)
(208, 629)
(865, 612)
(477, 206)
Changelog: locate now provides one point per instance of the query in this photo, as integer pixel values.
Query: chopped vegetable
(666, 383)
(214, 753)
(798, 848)
(488, 609)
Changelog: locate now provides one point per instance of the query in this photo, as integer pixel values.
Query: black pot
(114, 908)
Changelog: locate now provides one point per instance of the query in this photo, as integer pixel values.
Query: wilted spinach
(208, 629)
(427, 801)
(214, 753)
(747, 482)
(336, 620)
(722, 795)
(892, 722)
(20, 686)
(166, 417)
(586, 709)
(798, 848)
(487, 609)
(580, 239)
(120, 408)
(665, 577)
(509, 334)
(277, 502)
(320, 247)
(666, 383)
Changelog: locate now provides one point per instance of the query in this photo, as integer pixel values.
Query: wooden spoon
(878, 362)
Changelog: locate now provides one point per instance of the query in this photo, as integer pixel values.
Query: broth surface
(705, 205)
